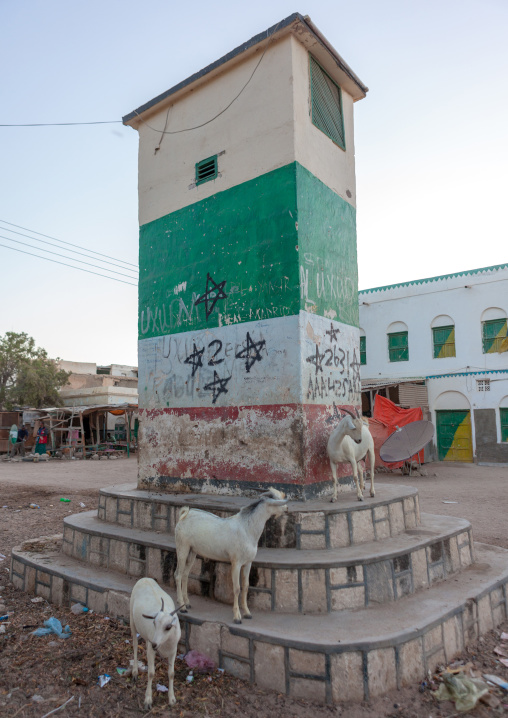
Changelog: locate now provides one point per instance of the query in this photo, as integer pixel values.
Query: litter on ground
(53, 625)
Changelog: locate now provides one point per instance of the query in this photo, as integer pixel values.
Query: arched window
(443, 336)
(494, 330)
(398, 342)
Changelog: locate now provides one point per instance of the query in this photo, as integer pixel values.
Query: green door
(454, 439)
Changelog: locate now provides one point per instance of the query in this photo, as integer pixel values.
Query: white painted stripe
(286, 360)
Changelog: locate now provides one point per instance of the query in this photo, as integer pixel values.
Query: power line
(25, 244)
(35, 239)
(197, 127)
(91, 251)
(67, 265)
(65, 124)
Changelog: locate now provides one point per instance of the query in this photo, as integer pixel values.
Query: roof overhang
(382, 383)
(301, 27)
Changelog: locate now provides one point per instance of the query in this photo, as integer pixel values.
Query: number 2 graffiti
(250, 352)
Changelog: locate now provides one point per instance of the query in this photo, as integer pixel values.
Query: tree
(28, 377)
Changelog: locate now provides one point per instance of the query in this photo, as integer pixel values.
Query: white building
(441, 343)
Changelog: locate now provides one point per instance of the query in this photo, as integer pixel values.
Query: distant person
(41, 440)
(19, 446)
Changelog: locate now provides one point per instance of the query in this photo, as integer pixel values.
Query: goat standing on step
(351, 441)
(153, 616)
(233, 539)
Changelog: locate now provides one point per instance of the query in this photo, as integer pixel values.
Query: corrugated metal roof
(380, 383)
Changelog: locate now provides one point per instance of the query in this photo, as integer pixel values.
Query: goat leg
(372, 461)
(150, 655)
(334, 474)
(235, 576)
(359, 493)
(245, 588)
(171, 675)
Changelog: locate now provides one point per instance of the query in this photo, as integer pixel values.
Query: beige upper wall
(255, 133)
(267, 127)
(313, 149)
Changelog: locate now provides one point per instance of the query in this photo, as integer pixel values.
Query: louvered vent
(206, 170)
(326, 102)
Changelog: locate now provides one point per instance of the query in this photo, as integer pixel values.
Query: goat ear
(151, 618)
(177, 609)
(162, 607)
(277, 502)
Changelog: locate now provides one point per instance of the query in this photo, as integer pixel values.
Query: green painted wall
(327, 250)
(273, 245)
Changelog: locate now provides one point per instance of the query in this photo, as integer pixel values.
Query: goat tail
(183, 513)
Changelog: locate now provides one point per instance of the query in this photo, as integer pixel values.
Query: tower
(248, 309)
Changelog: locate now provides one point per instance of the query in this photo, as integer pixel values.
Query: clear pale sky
(431, 141)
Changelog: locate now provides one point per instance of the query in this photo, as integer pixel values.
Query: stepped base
(287, 580)
(350, 655)
(317, 524)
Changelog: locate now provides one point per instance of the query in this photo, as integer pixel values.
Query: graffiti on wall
(300, 359)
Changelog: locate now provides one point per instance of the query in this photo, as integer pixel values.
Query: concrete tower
(248, 308)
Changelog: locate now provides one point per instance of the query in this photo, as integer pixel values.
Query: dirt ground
(38, 674)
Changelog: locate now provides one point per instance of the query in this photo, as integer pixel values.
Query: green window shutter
(398, 346)
(363, 350)
(444, 342)
(504, 424)
(326, 102)
(493, 333)
(206, 170)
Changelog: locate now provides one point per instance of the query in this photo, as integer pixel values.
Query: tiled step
(308, 525)
(288, 580)
(350, 655)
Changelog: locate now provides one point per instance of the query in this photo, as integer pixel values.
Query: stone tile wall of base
(325, 674)
(286, 590)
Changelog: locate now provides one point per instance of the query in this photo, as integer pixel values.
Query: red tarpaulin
(387, 416)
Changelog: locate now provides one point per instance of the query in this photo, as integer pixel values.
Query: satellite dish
(406, 441)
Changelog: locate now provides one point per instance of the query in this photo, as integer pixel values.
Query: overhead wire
(25, 244)
(23, 251)
(63, 124)
(63, 249)
(91, 251)
(203, 124)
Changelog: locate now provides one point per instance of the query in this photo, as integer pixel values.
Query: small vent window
(483, 384)
(206, 170)
(326, 101)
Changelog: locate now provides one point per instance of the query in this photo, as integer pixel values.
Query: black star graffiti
(195, 359)
(213, 293)
(251, 353)
(317, 359)
(333, 333)
(336, 416)
(218, 386)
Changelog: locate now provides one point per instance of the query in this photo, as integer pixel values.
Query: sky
(431, 144)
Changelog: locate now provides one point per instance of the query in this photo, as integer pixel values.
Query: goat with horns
(351, 441)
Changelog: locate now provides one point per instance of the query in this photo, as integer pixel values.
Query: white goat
(153, 616)
(351, 441)
(233, 539)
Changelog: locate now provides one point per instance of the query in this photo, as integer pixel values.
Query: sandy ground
(38, 675)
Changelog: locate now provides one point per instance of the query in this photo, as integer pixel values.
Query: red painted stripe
(302, 461)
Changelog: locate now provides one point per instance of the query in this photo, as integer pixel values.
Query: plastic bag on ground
(199, 662)
(53, 625)
(463, 691)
